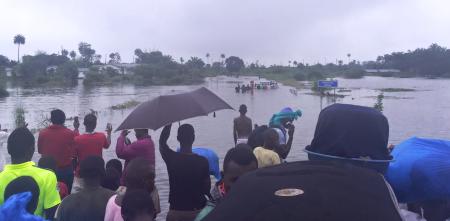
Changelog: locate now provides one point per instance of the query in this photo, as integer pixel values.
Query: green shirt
(46, 180)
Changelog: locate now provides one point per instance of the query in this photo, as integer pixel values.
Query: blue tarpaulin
(421, 170)
(213, 160)
(15, 208)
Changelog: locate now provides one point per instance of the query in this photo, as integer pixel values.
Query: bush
(354, 73)
(315, 75)
(300, 77)
(3, 92)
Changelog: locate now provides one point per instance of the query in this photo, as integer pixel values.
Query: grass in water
(126, 105)
(396, 90)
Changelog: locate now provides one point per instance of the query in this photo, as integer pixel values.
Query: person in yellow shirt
(21, 148)
(266, 155)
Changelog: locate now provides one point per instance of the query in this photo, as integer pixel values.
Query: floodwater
(423, 112)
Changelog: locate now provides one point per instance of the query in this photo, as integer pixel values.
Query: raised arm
(126, 151)
(164, 149)
(284, 149)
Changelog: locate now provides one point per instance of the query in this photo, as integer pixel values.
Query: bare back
(243, 126)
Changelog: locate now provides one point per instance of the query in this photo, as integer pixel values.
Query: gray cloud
(264, 30)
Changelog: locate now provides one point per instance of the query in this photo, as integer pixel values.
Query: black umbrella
(308, 191)
(167, 109)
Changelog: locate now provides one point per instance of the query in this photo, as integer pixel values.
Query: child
(49, 163)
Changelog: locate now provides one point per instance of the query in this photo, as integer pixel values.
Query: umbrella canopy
(308, 191)
(167, 109)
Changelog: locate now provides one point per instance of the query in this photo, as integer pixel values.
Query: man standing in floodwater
(242, 126)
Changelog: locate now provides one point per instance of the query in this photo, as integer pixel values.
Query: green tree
(195, 62)
(181, 60)
(19, 40)
(73, 55)
(234, 64)
(64, 52)
(114, 58)
(86, 52)
(67, 70)
(4, 62)
(207, 57)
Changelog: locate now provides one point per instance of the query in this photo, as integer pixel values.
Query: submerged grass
(396, 89)
(125, 105)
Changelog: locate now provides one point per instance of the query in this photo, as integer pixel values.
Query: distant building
(122, 68)
(382, 70)
(8, 72)
(51, 69)
(127, 68)
(82, 72)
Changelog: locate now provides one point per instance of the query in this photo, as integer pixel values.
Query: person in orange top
(89, 144)
(57, 141)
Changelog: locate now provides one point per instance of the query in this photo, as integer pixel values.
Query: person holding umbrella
(188, 175)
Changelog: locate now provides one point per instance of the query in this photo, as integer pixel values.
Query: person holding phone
(90, 143)
(57, 141)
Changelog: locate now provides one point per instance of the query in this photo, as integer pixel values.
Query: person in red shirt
(57, 141)
(89, 144)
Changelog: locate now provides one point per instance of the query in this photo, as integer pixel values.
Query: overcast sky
(271, 31)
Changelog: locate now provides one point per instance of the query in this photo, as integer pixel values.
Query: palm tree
(289, 63)
(181, 60)
(19, 40)
(64, 52)
(207, 57)
(349, 55)
(295, 63)
(223, 57)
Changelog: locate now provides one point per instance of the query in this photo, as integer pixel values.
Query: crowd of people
(72, 181)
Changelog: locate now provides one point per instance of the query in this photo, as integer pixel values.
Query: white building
(382, 70)
(82, 72)
(8, 72)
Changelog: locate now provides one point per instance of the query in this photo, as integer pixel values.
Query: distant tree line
(433, 61)
(156, 68)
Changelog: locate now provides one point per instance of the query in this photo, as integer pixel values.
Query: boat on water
(264, 85)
